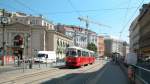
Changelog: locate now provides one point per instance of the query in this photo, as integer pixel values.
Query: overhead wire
(33, 10)
(77, 11)
(127, 10)
(125, 16)
(6, 5)
(139, 1)
(131, 18)
(72, 5)
(92, 10)
(68, 12)
(19, 2)
(26, 6)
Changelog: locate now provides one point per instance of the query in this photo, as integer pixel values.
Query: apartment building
(144, 22)
(81, 36)
(100, 45)
(134, 36)
(113, 45)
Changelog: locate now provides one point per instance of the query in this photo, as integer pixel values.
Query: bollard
(30, 64)
(19, 63)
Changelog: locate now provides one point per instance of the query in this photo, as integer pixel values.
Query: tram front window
(71, 53)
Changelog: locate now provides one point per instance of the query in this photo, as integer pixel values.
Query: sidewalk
(11, 72)
(113, 74)
(9, 68)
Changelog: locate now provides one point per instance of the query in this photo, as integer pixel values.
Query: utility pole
(87, 26)
(4, 21)
(3, 11)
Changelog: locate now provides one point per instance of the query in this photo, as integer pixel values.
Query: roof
(79, 48)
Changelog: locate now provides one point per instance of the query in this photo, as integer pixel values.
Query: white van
(45, 57)
(131, 58)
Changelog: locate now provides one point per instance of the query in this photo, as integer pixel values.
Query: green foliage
(92, 46)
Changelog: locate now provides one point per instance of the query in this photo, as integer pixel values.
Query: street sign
(4, 20)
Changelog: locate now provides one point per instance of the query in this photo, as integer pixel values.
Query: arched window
(61, 43)
(18, 40)
(58, 42)
(66, 45)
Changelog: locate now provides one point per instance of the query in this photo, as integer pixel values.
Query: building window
(36, 21)
(18, 40)
(21, 20)
(58, 42)
(16, 19)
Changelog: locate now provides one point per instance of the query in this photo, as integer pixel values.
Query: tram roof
(79, 48)
(75, 47)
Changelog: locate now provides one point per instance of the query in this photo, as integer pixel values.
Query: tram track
(83, 70)
(28, 75)
(49, 74)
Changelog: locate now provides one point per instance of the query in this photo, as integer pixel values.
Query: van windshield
(41, 55)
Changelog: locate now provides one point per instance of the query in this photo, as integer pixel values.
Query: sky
(118, 14)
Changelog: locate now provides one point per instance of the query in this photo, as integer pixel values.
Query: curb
(27, 75)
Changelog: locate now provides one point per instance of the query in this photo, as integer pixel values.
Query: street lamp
(4, 21)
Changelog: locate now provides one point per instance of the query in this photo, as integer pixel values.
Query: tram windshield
(71, 53)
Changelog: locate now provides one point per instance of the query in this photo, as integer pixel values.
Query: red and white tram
(76, 57)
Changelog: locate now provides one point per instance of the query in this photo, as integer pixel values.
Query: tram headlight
(78, 59)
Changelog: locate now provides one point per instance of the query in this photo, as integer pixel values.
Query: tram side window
(73, 53)
(90, 54)
(86, 54)
(82, 53)
(79, 53)
(67, 54)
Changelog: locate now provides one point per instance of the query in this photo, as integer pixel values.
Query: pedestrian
(131, 75)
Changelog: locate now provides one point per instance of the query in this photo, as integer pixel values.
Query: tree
(92, 46)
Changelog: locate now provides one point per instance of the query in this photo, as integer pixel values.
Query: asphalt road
(109, 74)
(101, 72)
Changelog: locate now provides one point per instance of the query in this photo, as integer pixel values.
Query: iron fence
(141, 74)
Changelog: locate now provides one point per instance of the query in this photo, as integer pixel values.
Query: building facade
(140, 32)
(125, 48)
(113, 45)
(144, 20)
(25, 35)
(134, 36)
(100, 45)
(31, 20)
(23, 40)
(58, 42)
(81, 36)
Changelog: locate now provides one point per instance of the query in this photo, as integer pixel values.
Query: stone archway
(18, 43)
